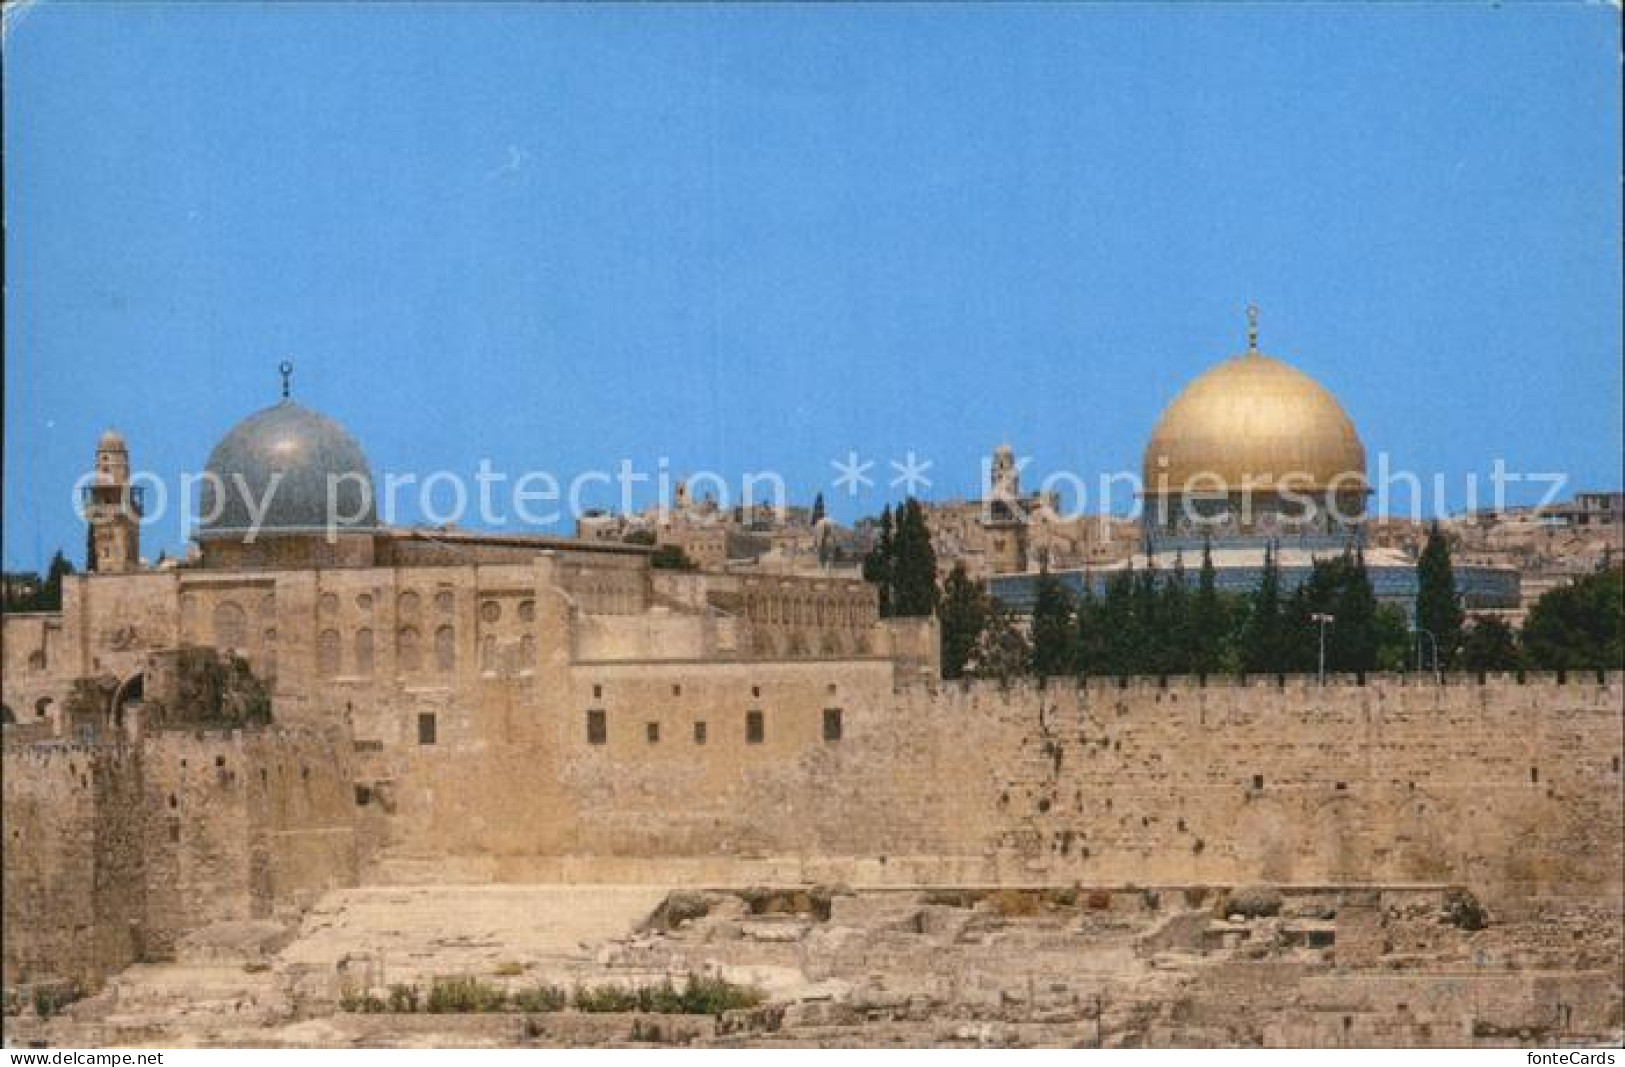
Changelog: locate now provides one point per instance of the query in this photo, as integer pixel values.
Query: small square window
(832, 724)
(426, 728)
(754, 731)
(652, 732)
(1258, 781)
(699, 733)
(676, 690)
(597, 692)
(755, 690)
(597, 728)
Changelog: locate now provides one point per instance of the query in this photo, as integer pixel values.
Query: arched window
(408, 650)
(445, 650)
(230, 626)
(327, 654)
(527, 652)
(363, 652)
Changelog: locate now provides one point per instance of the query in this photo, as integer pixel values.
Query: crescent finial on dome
(285, 368)
(1252, 328)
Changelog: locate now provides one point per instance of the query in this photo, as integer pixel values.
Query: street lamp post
(1324, 619)
(1433, 646)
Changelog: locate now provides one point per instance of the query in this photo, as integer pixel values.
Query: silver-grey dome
(308, 456)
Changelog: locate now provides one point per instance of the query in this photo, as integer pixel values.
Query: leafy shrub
(1463, 911)
(464, 994)
(698, 996)
(50, 999)
(1012, 903)
(713, 996)
(403, 999)
(1254, 901)
(509, 969)
(540, 998)
(604, 998)
(953, 898)
(1062, 898)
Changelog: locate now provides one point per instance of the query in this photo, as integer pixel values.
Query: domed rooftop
(304, 452)
(1254, 423)
(110, 440)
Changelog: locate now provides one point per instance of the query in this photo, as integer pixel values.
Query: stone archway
(130, 691)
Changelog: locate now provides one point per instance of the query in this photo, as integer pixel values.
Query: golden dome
(1254, 423)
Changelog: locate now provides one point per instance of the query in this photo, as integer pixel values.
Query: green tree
(1088, 644)
(913, 564)
(1174, 622)
(818, 509)
(1261, 637)
(51, 591)
(1437, 609)
(1209, 626)
(1118, 625)
(877, 565)
(672, 558)
(1490, 645)
(1579, 626)
(962, 616)
(1354, 635)
(1393, 637)
(1003, 651)
(1146, 654)
(1052, 628)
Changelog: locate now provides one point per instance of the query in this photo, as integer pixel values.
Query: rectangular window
(753, 727)
(652, 731)
(1258, 781)
(597, 692)
(597, 728)
(832, 724)
(426, 728)
(699, 733)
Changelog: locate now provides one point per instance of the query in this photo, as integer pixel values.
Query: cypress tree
(877, 565)
(50, 594)
(1355, 647)
(1117, 624)
(1261, 638)
(1173, 618)
(817, 509)
(1437, 609)
(1146, 655)
(913, 565)
(963, 615)
(1053, 653)
(1208, 625)
(1088, 645)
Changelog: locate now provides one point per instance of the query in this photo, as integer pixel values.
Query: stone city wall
(114, 851)
(749, 771)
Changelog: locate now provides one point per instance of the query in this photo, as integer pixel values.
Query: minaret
(112, 507)
(1005, 481)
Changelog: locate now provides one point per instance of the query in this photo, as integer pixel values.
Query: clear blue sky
(756, 237)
